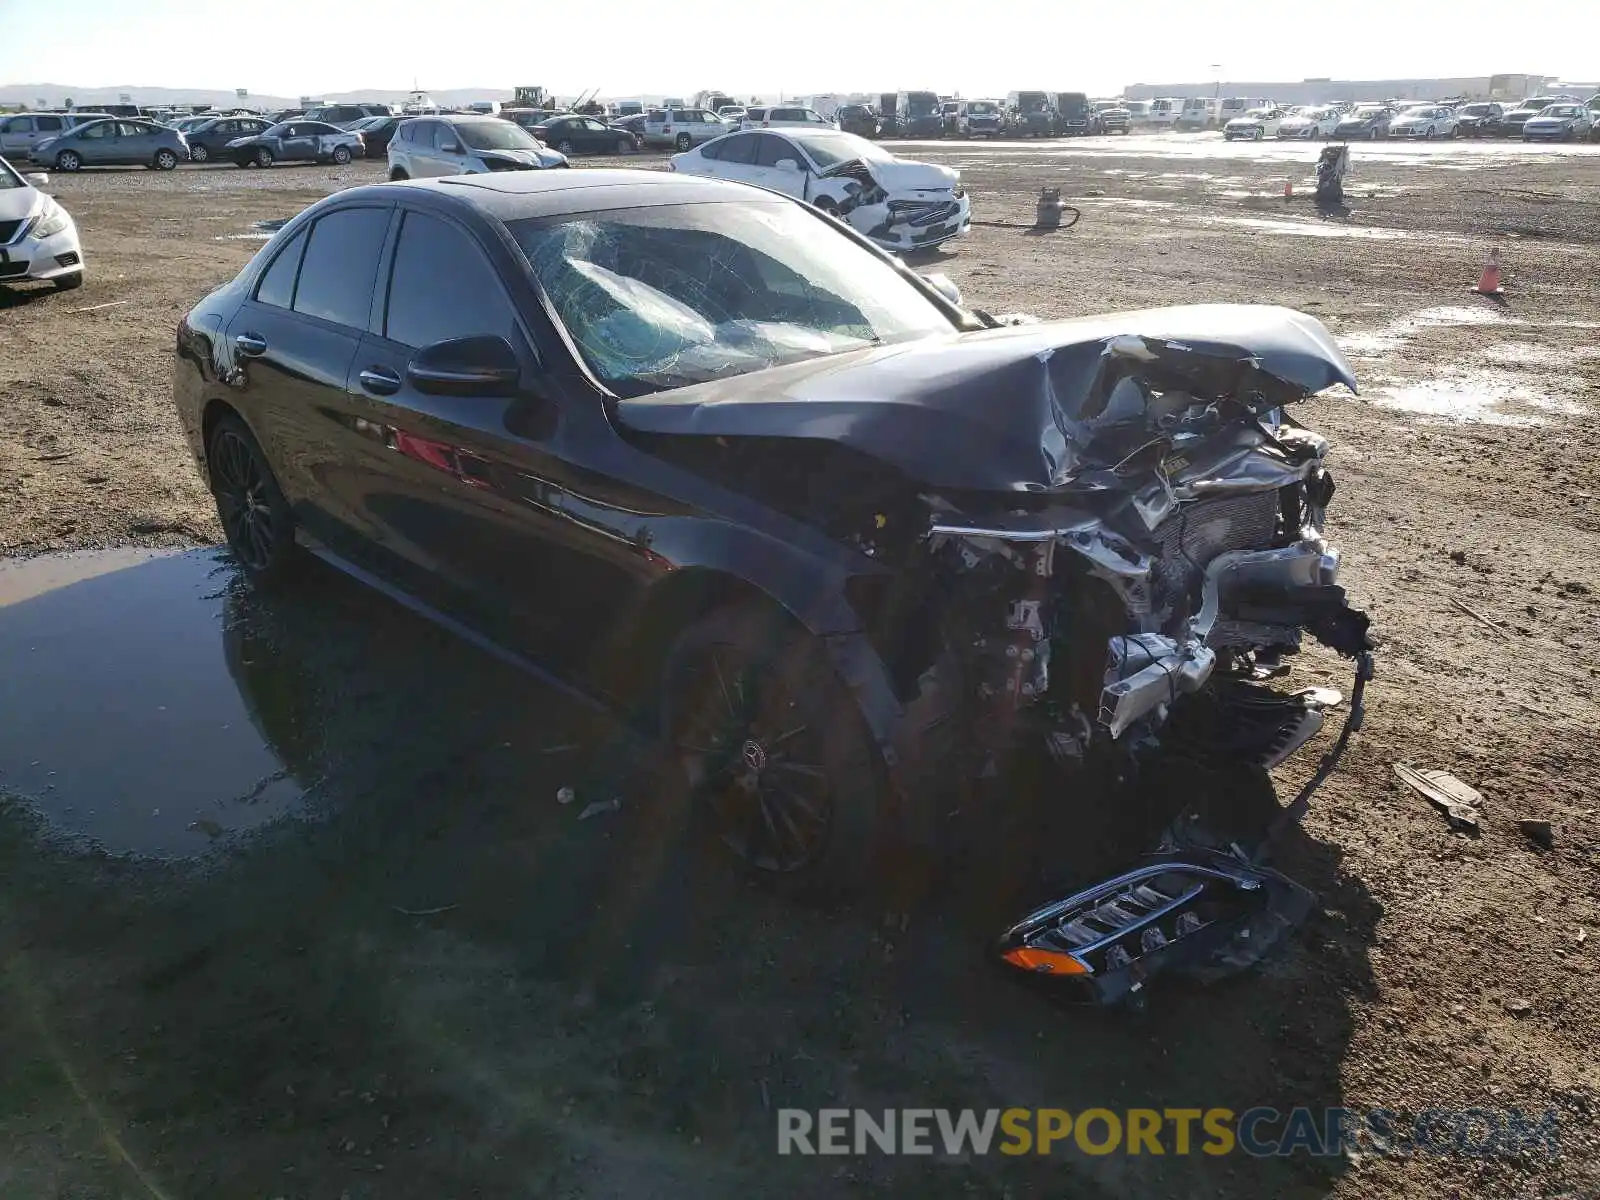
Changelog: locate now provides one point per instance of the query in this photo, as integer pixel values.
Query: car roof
(516, 195)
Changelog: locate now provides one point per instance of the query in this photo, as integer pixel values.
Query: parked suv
(784, 118)
(343, 115)
(424, 147)
(685, 127)
(20, 133)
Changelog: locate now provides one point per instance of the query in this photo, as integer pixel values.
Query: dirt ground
(596, 1009)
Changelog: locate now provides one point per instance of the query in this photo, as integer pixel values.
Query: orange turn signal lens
(1045, 962)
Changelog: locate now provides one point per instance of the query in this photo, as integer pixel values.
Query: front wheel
(772, 753)
(198, 153)
(255, 517)
(165, 160)
(68, 283)
(1427, 134)
(396, 174)
(684, 142)
(68, 160)
(625, 146)
(263, 157)
(564, 147)
(341, 155)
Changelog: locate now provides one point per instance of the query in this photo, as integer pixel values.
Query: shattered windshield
(829, 149)
(663, 297)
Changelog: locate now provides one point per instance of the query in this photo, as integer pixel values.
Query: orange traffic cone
(1288, 189)
(1489, 282)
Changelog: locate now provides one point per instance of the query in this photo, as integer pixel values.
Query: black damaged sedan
(843, 544)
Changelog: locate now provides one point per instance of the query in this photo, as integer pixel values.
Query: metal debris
(1459, 802)
(565, 795)
(600, 807)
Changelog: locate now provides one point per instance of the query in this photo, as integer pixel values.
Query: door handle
(251, 343)
(380, 381)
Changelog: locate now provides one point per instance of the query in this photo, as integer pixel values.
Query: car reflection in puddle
(153, 703)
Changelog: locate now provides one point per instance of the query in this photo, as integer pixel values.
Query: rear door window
(442, 287)
(49, 124)
(340, 264)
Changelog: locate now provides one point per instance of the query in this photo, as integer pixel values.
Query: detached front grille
(921, 212)
(1197, 533)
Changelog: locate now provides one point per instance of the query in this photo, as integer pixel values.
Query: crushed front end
(1129, 620)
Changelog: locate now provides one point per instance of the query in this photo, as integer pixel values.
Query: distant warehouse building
(1313, 91)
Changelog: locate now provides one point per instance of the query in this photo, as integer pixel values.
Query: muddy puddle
(152, 703)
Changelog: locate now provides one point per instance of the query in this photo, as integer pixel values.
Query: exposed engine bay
(1100, 550)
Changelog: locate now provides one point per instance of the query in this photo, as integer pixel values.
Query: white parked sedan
(1424, 121)
(899, 204)
(37, 237)
(1258, 123)
(1313, 121)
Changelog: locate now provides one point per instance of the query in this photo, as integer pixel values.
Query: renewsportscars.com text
(1258, 1132)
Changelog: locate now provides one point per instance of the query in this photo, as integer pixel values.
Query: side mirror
(945, 286)
(451, 148)
(472, 366)
(787, 164)
(37, 179)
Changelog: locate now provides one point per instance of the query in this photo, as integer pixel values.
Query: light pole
(1216, 69)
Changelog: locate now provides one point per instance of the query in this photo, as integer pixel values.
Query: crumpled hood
(1025, 408)
(526, 158)
(908, 175)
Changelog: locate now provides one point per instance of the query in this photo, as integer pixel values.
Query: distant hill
(57, 94)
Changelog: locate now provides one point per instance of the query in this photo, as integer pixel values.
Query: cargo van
(1200, 112)
(1164, 112)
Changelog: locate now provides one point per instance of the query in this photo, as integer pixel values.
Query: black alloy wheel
(772, 751)
(256, 518)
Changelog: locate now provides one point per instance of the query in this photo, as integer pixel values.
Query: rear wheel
(341, 155)
(255, 517)
(771, 751)
(396, 174)
(198, 153)
(684, 142)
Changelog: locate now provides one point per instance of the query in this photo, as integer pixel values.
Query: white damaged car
(38, 239)
(896, 202)
(1256, 124)
(1313, 121)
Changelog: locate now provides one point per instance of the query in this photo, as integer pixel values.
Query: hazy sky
(294, 47)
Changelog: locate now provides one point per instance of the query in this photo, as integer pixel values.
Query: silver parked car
(681, 128)
(20, 132)
(119, 142)
(425, 147)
